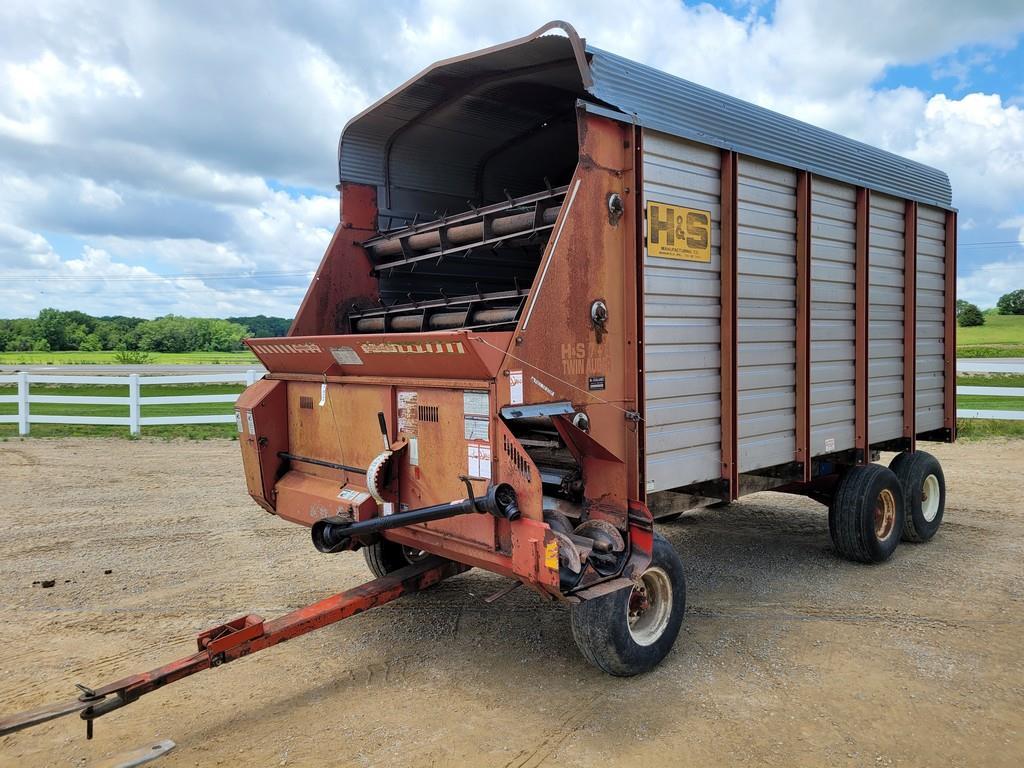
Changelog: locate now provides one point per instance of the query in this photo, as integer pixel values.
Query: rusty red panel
(861, 378)
(729, 337)
(803, 323)
(262, 411)
(344, 277)
(910, 324)
(460, 354)
(949, 398)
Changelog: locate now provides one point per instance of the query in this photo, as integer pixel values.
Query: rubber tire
(851, 515)
(384, 557)
(912, 469)
(600, 626)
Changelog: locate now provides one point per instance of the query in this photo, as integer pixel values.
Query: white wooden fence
(135, 420)
(135, 400)
(989, 366)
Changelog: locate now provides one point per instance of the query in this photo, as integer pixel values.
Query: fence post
(250, 377)
(134, 407)
(23, 413)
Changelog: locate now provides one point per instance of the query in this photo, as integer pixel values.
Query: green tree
(91, 343)
(1011, 303)
(969, 316)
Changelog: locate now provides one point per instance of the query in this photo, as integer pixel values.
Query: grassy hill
(1000, 336)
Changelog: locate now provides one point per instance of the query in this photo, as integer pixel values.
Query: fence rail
(989, 366)
(135, 401)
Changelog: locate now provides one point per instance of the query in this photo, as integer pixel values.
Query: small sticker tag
(346, 356)
(353, 496)
(830, 444)
(595, 382)
(515, 385)
(389, 508)
(238, 420)
(323, 394)
(252, 424)
(408, 413)
(551, 554)
(541, 385)
(414, 452)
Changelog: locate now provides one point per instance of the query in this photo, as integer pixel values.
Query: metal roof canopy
(429, 143)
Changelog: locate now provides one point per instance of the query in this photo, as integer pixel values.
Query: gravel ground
(788, 656)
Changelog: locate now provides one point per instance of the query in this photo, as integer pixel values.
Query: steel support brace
(241, 637)
(803, 323)
(863, 316)
(730, 383)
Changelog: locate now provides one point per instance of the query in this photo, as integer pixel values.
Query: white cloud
(92, 194)
(173, 127)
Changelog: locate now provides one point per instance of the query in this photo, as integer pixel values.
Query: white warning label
(479, 460)
(515, 385)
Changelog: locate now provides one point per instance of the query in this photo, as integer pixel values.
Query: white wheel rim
(930, 497)
(649, 606)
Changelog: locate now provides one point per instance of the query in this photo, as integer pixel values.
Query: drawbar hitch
(238, 638)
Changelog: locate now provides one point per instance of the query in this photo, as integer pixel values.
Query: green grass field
(1000, 336)
(107, 358)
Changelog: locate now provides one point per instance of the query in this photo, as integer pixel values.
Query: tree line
(55, 330)
(968, 315)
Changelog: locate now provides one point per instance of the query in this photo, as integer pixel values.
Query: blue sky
(159, 157)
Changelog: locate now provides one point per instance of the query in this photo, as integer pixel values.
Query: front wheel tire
(630, 631)
(384, 557)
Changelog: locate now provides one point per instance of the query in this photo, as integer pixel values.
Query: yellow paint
(551, 555)
(674, 232)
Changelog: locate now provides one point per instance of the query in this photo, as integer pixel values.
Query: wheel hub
(650, 606)
(885, 514)
(930, 498)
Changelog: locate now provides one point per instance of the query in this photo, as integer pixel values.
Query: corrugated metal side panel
(931, 264)
(766, 299)
(885, 333)
(668, 103)
(682, 330)
(833, 307)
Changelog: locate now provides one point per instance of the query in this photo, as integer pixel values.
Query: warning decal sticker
(674, 232)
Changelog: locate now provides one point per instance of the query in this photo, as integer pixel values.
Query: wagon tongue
(462, 354)
(238, 638)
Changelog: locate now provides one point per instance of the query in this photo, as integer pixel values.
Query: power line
(154, 278)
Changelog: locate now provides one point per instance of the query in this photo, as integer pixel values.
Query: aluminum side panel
(766, 298)
(833, 289)
(885, 334)
(682, 331)
(931, 264)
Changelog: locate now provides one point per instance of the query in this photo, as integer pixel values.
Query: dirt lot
(788, 656)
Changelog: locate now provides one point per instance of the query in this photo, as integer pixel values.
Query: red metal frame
(949, 394)
(241, 637)
(862, 314)
(803, 322)
(910, 324)
(729, 330)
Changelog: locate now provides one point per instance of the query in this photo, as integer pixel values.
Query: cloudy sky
(180, 156)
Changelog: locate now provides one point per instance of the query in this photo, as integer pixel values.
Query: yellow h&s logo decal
(674, 232)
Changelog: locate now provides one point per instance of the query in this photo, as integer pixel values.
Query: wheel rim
(650, 606)
(930, 497)
(885, 514)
